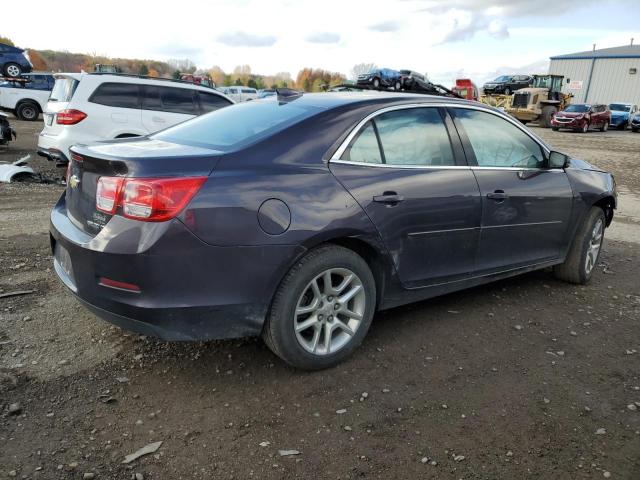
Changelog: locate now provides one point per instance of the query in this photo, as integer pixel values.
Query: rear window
(120, 95)
(239, 125)
(63, 90)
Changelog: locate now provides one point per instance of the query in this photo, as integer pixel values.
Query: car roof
(330, 100)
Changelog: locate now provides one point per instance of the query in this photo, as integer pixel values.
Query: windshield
(578, 108)
(503, 78)
(619, 107)
(63, 90)
(233, 127)
(542, 82)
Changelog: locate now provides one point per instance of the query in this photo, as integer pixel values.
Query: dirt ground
(524, 378)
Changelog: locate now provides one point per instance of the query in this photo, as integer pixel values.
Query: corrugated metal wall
(610, 81)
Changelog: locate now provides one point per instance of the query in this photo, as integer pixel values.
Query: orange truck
(466, 89)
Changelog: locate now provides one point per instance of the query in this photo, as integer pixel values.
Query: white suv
(89, 107)
(240, 94)
(27, 96)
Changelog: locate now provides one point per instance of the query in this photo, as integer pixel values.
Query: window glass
(498, 143)
(151, 98)
(178, 100)
(210, 101)
(414, 136)
(364, 148)
(121, 95)
(228, 129)
(63, 90)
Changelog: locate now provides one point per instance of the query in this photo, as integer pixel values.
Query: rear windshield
(233, 127)
(577, 108)
(63, 90)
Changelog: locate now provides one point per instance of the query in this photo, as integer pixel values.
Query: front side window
(497, 142)
(120, 95)
(210, 101)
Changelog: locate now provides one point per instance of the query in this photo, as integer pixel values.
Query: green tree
(238, 82)
(143, 70)
(252, 83)
(176, 75)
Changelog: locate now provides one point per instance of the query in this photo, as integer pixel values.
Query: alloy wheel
(595, 242)
(13, 71)
(29, 113)
(329, 311)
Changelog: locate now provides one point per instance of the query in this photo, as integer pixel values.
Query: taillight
(148, 199)
(70, 117)
(107, 194)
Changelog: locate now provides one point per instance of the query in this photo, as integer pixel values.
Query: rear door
(163, 106)
(409, 175)
(526, 206)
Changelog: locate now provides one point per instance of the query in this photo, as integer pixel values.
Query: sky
(478, 39)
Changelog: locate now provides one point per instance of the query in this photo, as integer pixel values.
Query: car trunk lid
(61, 95)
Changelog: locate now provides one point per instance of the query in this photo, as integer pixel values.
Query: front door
(402, 169)
(525, 205)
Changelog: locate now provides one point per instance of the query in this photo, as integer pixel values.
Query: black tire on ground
(555, 129)
(278, 331)
(28, 111)
(574, 268)
(376, 83)
(604, 127)
(548, 111)
(634, 130)
(11, 70)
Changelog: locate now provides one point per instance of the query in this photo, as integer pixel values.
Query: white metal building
(601, 76)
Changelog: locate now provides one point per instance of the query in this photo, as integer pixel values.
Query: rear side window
(415, 136)
(210, 101)
(120, 95)
(364, 148)
(169, 99)
(63, 90)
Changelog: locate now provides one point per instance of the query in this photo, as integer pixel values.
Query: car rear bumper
(189, 290)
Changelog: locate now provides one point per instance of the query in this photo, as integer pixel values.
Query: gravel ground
(524, 378)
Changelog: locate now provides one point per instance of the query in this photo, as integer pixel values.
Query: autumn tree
(38, 62)
(6, 41)
(217, 75)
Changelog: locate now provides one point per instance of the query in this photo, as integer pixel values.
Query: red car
(580, 117)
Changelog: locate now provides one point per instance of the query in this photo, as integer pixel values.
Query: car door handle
(389, 198)
(498, 195)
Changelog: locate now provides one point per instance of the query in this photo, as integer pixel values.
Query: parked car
(85, 107)
(621, 114)
(381, 77)
(240, 94)
(465, 88)
(246, 221)
(507, 84)
(581, 117)
(635, 122)
(410, 79)
(266, 93)
(26, 97)
(14, 61)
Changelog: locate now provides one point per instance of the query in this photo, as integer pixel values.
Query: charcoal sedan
(298, 217)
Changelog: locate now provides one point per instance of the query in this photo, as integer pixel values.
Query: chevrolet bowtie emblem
(74, 181)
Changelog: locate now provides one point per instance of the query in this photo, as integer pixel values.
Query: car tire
(28, 111)
(12, 70)
(585, 249)
(604, 127)
(376, 83)
(397, 86)
(507, 91)
(547, 114)
(585, 128)
(555, 129)
(634, 130)
(309, 348)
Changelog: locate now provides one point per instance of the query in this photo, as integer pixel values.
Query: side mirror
(558, 160)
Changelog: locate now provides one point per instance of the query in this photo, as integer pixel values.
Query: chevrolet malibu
(297, 217)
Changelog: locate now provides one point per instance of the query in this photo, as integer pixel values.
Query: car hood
(569, 114)
(584, 165)
(617, 114)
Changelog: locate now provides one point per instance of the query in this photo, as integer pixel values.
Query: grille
(520, 100)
